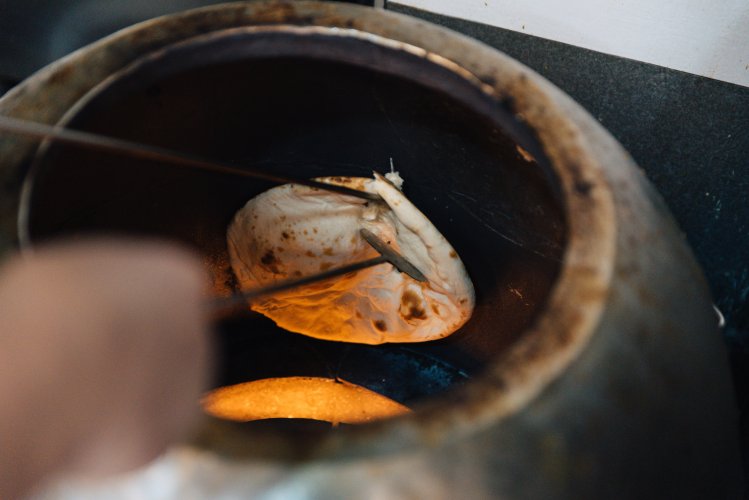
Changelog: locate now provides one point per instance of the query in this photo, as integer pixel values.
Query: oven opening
(324, 106)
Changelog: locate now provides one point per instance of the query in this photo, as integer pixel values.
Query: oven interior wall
(303, 117)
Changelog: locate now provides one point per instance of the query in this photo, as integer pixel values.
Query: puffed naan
(292, 231)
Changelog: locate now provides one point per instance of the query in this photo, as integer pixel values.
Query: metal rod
(243, 297)
(387, 254)
(401, 263)
(141, 151)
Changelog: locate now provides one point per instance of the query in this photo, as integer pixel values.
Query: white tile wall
(704, 37)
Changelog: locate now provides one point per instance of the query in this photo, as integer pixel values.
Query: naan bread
(293, 231)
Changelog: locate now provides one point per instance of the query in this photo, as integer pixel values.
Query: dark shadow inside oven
(307, 116)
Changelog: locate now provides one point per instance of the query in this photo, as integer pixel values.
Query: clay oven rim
(578, 297)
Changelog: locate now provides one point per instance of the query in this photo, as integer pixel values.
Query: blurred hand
(103, 355)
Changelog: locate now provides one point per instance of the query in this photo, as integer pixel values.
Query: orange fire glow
(330, 400)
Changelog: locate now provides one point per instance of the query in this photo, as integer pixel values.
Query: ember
(325, 399)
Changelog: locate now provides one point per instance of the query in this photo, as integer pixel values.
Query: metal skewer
(387, 255)
(142, 151)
